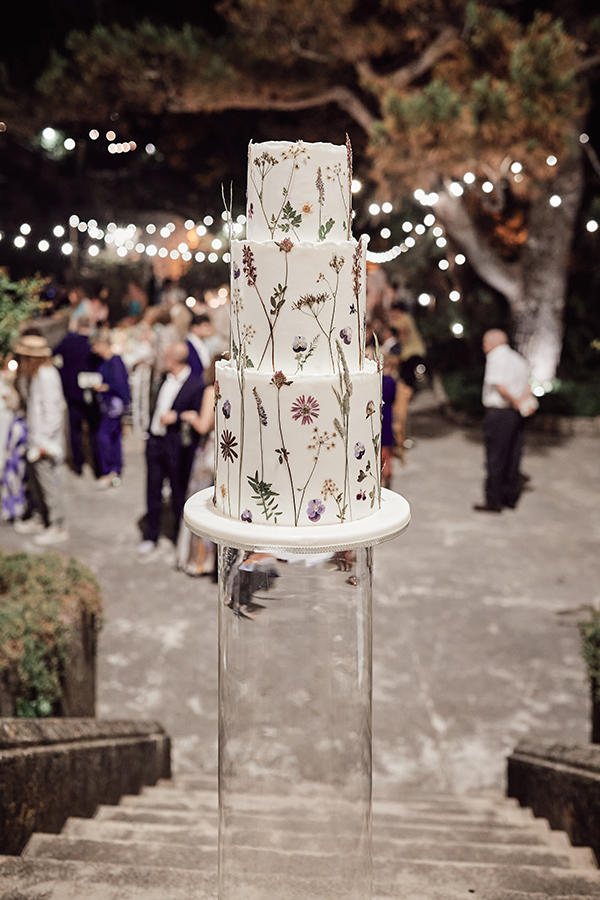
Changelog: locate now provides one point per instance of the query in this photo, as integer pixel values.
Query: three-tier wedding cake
(297, 405)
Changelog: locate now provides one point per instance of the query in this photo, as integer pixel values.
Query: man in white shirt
(171, 443)
(505, 391)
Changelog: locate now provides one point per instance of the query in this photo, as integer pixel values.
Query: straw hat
(33, 345)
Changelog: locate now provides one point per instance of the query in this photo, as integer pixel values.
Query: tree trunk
(535, 287)
(538, 314)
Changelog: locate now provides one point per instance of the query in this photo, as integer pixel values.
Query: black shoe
(484, 507)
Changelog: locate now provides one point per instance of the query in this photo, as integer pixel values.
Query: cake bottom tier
(301, 450)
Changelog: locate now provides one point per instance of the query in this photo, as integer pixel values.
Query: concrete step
(392, 848)
(188, 822)
(294, 863)
(48, 879)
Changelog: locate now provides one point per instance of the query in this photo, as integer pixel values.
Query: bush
(572, 398)
(590, 648)
(463, 390)
(42, 599)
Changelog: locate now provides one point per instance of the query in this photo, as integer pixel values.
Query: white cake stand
(295, 686)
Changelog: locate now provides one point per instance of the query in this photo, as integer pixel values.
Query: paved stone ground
(475, 640)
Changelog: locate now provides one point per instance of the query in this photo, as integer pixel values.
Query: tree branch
(502, 276)
(401, 78)
(342, 96)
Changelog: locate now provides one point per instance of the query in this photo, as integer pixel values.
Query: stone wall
(562, 784)
(51, 769)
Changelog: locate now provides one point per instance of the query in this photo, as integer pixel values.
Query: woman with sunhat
(45, 441)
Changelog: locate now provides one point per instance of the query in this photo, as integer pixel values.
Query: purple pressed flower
(300, 344)
(246, 516)
(352, 308)
(228, 443)
(251, 210)
(360, 496)
(315, 510)
(236, 271)
(227, 409)
(370, 408)
(346, 334)
(305, 408)
(359, 450)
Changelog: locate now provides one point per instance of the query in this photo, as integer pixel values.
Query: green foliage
(573, 398)
(41, 599)
(590, 647)
(265, 497)
(463, 390)
(18, 302)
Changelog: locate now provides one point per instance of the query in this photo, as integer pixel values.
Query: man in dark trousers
(171, 443)
(507, 398)
(74, 355)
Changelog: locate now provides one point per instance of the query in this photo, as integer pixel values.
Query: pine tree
(439, 89)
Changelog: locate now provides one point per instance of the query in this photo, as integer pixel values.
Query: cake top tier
(299, 191)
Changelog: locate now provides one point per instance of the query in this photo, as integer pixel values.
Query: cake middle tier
(291, 303)
(297, 451)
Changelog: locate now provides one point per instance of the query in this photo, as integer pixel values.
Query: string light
(552, 160)
(385, 233)
(516, 167)
(69, 144)
(454, 296)
(437, 231)
(213, 257)
(468, 178)
(94, 134)
(584, 138)
(19, 241)
(151, 250)
(25, 228)
(374, 209)
(73, 221)
(419, 195)
(94, 250)
(457, 189)
(420, 229)
(216, 244)
(457, 329)
(386, 207)
(121, 251)
(43, 246)
(424, 299)
(355, 186)
(429, 220)
(13, 365)
(443, 264)
(592, 225)
(409, 241)
(200, 230)
(58, 231)
(208, 220)
(150, 149)
(110, 135)
(459, 259)
(407, 226)
(151, 229)
(67, 249)
(487, 187)
(441, 242)
(200, 256)
(555, 200)
(189, 224)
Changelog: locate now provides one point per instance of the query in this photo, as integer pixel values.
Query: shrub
(590, 647)
(42, 599)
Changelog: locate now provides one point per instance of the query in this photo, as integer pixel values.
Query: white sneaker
(34, 525)
(54, 534)
(147, 550)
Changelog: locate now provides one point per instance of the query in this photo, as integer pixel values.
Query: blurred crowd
(66, 396)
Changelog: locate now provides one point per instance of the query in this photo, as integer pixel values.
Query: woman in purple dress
(113, 398)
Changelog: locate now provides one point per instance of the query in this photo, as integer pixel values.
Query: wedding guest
(45, 442)
(199, 357)
(113, 398)
(73, 356)
(14, 501)
(171, 444)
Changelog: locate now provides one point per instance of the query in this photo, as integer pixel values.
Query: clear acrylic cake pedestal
(295, 671)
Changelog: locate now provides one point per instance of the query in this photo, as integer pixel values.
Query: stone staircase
(162, 845)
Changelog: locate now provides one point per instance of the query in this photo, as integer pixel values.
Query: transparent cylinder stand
(295, 664)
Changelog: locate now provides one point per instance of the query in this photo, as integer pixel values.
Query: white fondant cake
(297, 407)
